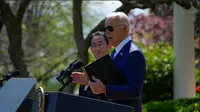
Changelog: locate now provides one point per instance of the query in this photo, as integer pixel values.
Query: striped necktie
(113, 54)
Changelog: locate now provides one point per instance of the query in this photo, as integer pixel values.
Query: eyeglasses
(111, 28)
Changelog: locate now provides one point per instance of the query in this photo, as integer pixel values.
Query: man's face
(99, 47)
(113, 29)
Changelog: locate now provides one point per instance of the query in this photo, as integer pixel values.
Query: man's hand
(80, 77)
(97, 87)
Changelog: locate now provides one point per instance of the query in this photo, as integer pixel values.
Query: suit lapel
(123, 52)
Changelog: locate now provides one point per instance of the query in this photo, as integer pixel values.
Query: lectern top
(13, 93)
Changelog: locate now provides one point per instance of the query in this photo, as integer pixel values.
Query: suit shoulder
(134, 47)
(136, 54)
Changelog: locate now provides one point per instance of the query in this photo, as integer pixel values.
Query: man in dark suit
(128, 59)
(99, 46)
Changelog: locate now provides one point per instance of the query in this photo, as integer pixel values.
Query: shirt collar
(119, 47)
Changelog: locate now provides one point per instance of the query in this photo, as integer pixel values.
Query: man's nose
(98, 47)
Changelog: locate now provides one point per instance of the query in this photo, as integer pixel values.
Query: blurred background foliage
(158, 84)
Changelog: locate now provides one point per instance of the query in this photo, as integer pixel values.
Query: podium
(13, 95)
(13, 98)
(64, 102)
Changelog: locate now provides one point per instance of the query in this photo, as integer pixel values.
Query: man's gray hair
(122, 17)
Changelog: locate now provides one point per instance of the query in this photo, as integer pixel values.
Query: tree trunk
(14, 30)
(15, 50)
(1, 24)
(78, 31)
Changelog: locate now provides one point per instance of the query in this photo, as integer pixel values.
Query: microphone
(6, 77)
(68, 71)
(63, 71)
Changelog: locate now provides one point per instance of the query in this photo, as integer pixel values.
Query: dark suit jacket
(87, 93)
(130, 62)
(81, 91)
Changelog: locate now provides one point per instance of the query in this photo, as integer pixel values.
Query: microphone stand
(1, 84)
(65, 84)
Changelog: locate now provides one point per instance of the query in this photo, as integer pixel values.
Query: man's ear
(125, 27)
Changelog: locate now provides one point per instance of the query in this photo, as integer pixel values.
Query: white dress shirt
(121, 45)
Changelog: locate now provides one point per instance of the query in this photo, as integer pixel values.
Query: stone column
(184, 65)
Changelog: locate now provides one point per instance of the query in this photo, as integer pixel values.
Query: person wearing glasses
(128, 59)
(99, 46)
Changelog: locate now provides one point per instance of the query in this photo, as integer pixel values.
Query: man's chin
(99, 56)
(111, 43)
